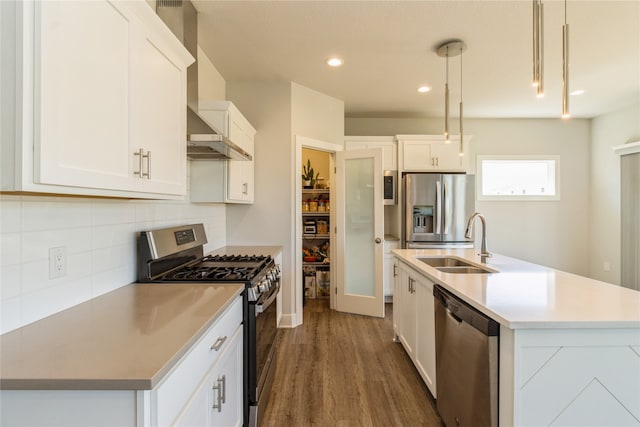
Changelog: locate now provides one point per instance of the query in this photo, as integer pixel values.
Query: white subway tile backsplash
(11, 281)
(52, 214)
(106, 236)
(10, 314)
(36, 244)
(10, 214)
(10, 249)
(101, 241)
(109, 212)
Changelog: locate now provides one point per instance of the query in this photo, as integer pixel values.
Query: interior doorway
(316, 272)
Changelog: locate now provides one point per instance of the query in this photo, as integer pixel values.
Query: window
(518, 178)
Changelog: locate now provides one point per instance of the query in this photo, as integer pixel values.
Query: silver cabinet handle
(245, 188)
(224, 388)
(218, 387)
(395, 273)
(218, 344)
(141, 157)
(148, 156)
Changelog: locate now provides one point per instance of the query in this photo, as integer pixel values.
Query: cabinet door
(240, 181)
(158, 117)
(446, 156)
(416, 155)
(226, 387)
(408, 314)
(218, 401)
(81, 85)
(426, 333)
(387, 284)
(397, 298)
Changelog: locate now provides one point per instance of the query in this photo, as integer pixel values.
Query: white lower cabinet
(415, 326)
(205, 388)
(407, 310)
(218, 400)
(425, 350)
(206, 384)
(387, 268)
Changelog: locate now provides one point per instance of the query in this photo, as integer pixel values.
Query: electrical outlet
(57, 262)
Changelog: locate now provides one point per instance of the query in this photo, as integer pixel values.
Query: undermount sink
(454, 265)
(463, 270)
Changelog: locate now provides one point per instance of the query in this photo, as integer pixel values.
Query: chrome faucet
(484, 254)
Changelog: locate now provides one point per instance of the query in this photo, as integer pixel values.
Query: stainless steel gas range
(176, 254)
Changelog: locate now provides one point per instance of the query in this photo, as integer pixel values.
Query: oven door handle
(260, 308)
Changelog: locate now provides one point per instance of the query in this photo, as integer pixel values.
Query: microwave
(390, 187)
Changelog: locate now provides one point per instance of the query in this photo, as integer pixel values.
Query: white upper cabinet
(388, 145)
(228, 181)
(100, 105)
(431, 153)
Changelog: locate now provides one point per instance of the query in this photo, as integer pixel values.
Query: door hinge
(335, 290)
(335, 169)
(335, 230)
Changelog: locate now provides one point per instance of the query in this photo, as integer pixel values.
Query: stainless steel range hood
(204, 142)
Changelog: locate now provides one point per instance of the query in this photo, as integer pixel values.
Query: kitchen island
(569, 345)
(136, 356)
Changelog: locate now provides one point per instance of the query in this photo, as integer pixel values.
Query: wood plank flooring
(345, 370)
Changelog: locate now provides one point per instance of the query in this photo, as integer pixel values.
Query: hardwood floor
(345, 370)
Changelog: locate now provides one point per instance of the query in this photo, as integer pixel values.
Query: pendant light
(448, 49)
(565, 66)
(538, 47)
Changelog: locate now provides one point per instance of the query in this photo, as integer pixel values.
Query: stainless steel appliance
(436, 209)
(204, 142)
(389, 187)
(176, 255)
(466, 363)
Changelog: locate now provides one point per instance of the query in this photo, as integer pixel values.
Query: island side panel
(582, 377)
(81, 408)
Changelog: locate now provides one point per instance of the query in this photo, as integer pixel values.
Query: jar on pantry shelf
(322, 205)
(305, 206)
(313, 206)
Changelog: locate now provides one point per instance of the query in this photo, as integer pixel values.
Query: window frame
(519, 197)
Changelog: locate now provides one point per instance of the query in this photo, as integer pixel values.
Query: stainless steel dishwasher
(466, 363)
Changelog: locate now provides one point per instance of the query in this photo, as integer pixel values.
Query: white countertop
(525, 295)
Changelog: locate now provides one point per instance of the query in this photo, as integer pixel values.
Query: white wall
(549, 233)
(100, 237)
(279, 111)
(607, 131)
(267, 221)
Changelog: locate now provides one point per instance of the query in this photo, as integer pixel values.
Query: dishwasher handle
(463, 312)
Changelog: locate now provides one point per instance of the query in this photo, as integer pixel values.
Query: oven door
(263, 323)
(266, 332)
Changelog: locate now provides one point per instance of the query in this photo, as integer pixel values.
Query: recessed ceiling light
(424, 89)
(577, 92)
(334, 61)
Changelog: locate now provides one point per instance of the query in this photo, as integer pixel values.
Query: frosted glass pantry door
(360, 230)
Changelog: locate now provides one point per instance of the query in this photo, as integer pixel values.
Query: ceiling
(388, 49)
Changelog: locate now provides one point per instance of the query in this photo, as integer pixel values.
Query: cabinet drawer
(174, 392)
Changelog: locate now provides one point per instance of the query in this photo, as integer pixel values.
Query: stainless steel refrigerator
(436, 209)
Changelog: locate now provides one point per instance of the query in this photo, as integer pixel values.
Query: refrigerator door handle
(438, 207)
(447, 208)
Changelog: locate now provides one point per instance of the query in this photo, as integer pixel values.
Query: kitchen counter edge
(564, 314)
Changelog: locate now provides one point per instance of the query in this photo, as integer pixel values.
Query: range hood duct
(204, 142)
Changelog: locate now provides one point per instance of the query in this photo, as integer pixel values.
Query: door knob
(378, 240)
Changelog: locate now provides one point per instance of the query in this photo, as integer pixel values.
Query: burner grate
(221, 268)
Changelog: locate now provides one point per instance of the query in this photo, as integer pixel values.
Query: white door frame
(331, 148)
